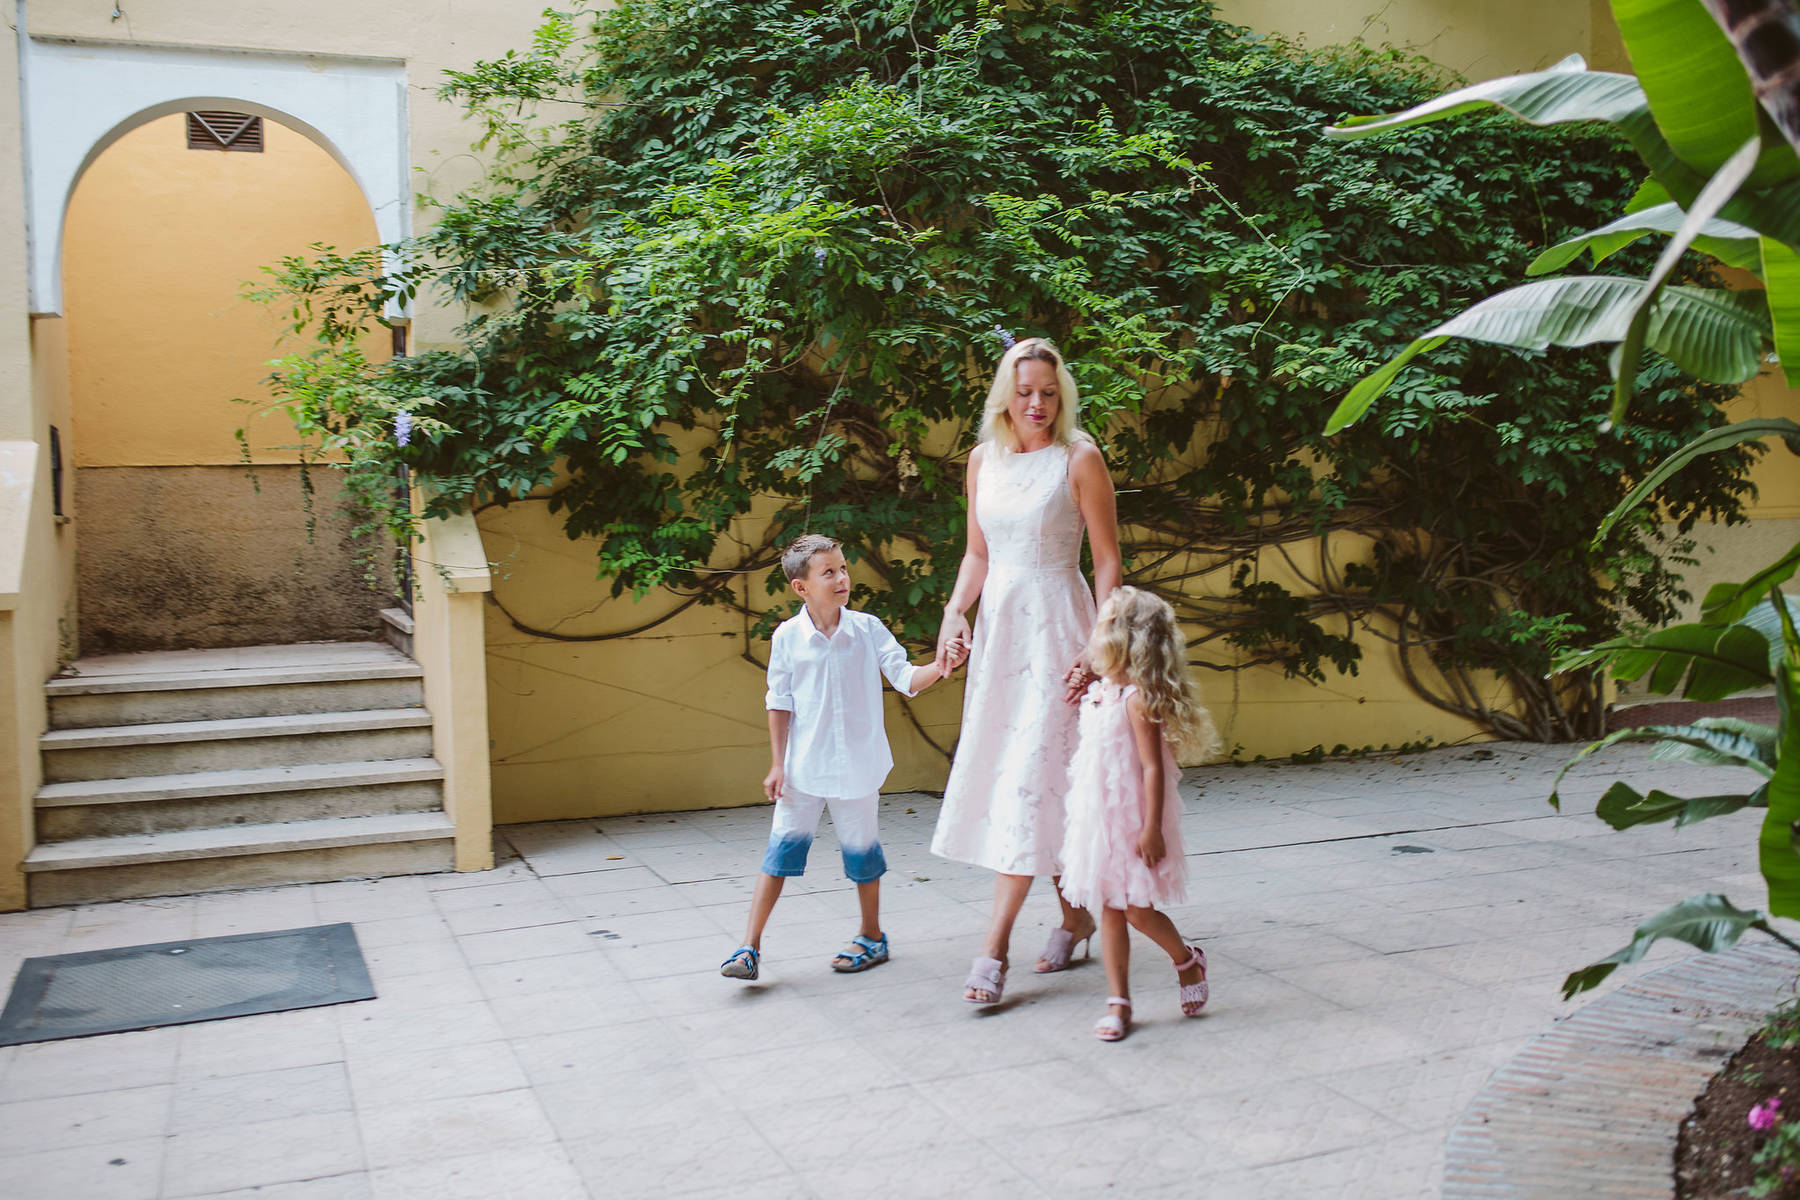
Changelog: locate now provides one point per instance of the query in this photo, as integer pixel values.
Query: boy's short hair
(796, 560)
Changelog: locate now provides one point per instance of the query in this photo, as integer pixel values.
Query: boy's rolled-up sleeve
(781, 675)
(894, 663)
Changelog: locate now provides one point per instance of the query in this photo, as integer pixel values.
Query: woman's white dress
(1004, 805)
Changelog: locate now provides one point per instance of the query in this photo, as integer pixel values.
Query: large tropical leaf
(1709, 922)
(1767, 622)
(1732, 244)
(1710, 442)
(1698, 91)
(1781, 278)
(1714, 334)
(1706, 662)
(1623, 806)
(1775, 848)
(1720, 747)
(1727, 602)
(1722, 742)
(1719, 189)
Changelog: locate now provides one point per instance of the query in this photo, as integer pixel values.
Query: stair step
(214, 700)
(183, 747)
(253, 796)
(92, 870)
(187, 845)
(176, 681)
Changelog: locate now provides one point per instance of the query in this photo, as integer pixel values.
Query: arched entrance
(196, 525)
(142, 245)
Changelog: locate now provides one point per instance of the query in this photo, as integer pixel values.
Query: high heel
(986, 976)
(1194, 995)
(1112, 1027)
(1061, 947)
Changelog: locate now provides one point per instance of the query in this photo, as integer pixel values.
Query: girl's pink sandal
(1194, 995)
(1112, 1027)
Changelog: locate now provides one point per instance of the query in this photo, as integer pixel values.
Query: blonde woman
(1035, 483)
(1122, 852)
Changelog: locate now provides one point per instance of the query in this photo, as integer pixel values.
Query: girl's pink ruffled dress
(1100, 858)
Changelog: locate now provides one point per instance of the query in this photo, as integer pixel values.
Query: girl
(1122, 852)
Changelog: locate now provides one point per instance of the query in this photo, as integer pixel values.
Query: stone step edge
(176, 681)
(236, 841)
(227, 729)
(241, 782)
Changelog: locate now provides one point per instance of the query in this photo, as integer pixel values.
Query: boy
(827, 744)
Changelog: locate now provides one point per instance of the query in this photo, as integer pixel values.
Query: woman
(1035, 481)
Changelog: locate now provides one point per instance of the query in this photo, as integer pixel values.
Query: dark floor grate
(176, 983)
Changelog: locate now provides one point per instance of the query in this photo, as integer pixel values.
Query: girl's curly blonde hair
(1135, 636)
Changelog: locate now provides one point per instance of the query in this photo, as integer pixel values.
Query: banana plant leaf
(1728, 602)
(1776, 851)
(1709, 922)
(1707, 662)
(1732, 244)
(1723, 742)
(1781, 278)
(1698, 91)
(1713, 197)
(1710, 442)
(1623, 806)
(1715, 334)
(1721, 746)
(1767, 622)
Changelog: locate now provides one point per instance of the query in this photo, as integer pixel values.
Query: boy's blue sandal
(861, 954)
(744, 963)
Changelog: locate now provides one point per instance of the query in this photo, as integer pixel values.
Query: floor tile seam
(1363, 837)
(163, 1195)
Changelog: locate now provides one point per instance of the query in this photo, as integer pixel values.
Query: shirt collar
(813, 630)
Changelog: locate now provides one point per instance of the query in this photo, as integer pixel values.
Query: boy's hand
(1150, 847)
(775, 782)
(959, 653)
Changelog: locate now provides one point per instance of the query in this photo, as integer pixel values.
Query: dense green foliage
(756, 254)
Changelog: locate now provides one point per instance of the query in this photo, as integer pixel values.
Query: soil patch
(1716, 1145)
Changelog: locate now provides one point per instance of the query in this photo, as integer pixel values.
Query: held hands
(954, 639)
(1077, 680)
(775, 782)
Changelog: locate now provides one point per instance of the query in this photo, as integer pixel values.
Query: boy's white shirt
(837, 742)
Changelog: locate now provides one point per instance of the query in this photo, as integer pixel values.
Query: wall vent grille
(224, 131)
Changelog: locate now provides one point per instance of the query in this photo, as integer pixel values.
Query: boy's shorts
(797, 819)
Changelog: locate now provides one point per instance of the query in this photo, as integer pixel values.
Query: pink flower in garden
(1762, 1116)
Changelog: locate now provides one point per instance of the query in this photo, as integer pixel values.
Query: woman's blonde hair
(1136, 636)
(996, 421)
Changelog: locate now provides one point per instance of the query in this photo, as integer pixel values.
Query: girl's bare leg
(1009, 898)
(1115, 950)
(1156, 926)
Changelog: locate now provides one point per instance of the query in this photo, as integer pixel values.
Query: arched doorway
(192, 533)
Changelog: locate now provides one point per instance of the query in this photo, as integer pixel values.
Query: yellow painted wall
(158, 245)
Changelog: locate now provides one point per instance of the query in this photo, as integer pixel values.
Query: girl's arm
(1149, 737)
(969, 577)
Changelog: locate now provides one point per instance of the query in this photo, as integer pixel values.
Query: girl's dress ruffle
(1101, 864)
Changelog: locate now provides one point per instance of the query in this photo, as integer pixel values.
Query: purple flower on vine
(819, 255)
(1006, 339)
(403, 427)
(1762, 1116)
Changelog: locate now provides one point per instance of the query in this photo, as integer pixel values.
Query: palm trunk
(1766, 34)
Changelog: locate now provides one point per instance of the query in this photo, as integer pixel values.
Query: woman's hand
(954, 630)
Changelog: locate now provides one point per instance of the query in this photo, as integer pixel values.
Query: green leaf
(1623, 807)
(1698, 91)
(1714, 747)
(1717, 335)
(1732, 244)
(1781, 278)
(1720, 188)
(1709, 922)
(1565, 92)
(1714, 661)
(1726, 602)
(1766, 621)
(1710, 442)
(1775, 848)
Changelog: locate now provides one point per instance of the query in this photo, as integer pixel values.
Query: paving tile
(353, 1185)
(118, 1170)
(541, 1173)
(540, 941)
(453, 1127)
(261, 1042)
(382, 1079)
(671, 1160)
(260, 1096)
(399, 1030)
(110, 1062)
(197, 1162)
(92, 1119)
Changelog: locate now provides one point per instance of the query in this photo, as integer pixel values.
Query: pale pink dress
(1101, 864)
(1003, 805)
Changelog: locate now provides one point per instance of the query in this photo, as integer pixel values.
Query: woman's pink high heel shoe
(1194, 995)
(1061, 947)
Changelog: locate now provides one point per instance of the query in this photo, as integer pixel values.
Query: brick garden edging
(1592, 1106)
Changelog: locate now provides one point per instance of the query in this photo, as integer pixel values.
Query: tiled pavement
(1383, 935)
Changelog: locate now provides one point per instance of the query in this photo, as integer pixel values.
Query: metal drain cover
(176, 983)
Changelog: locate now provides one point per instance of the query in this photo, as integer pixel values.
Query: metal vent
(224, 131)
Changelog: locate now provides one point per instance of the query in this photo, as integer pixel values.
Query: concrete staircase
(189, 771)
